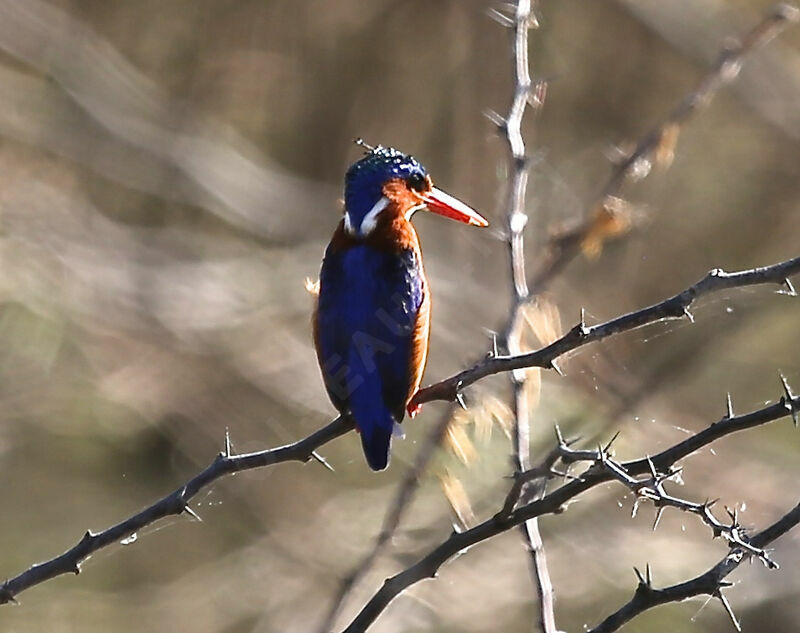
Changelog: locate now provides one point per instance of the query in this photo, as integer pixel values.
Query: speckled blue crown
(363, 183)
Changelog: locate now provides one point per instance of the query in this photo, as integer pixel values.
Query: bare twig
(555, 501)
(657, 146)
(710, 583)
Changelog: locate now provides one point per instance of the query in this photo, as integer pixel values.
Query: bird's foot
(413, 409)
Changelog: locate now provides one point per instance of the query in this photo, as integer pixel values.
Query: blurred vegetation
(169, 175)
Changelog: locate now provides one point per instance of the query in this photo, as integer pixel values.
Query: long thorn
(322, 461)
(228, 450)
(721, 597)
(188, 510)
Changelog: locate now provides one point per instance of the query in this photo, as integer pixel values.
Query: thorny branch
(177, 502)
(710, 583)
(657, 146)
(651, 488)
(525, 92)
(675, 307)
(556, 501)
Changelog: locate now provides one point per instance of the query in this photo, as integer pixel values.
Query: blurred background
(170, 173)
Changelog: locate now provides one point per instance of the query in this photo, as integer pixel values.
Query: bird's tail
(376, 442)
(375, 424)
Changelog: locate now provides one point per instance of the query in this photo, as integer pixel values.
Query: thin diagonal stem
(565, 247)
(403, 497)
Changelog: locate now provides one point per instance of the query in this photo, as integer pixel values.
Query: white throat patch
(413, 210)
(370, 220)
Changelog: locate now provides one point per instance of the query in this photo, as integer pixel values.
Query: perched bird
(372, 317)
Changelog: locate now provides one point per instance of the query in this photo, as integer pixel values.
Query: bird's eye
(416, 182)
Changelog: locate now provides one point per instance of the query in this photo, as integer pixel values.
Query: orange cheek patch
(398, 192)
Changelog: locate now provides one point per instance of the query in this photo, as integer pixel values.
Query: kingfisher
(372, 316)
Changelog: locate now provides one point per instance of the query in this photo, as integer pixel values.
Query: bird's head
(388, 179)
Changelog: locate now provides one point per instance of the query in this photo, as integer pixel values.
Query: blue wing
(369, 301)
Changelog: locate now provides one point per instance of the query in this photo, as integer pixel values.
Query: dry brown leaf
(544, 320)
(611, 218)
(664, 152)
(457, 498)
(459, 443)
(499, 413)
